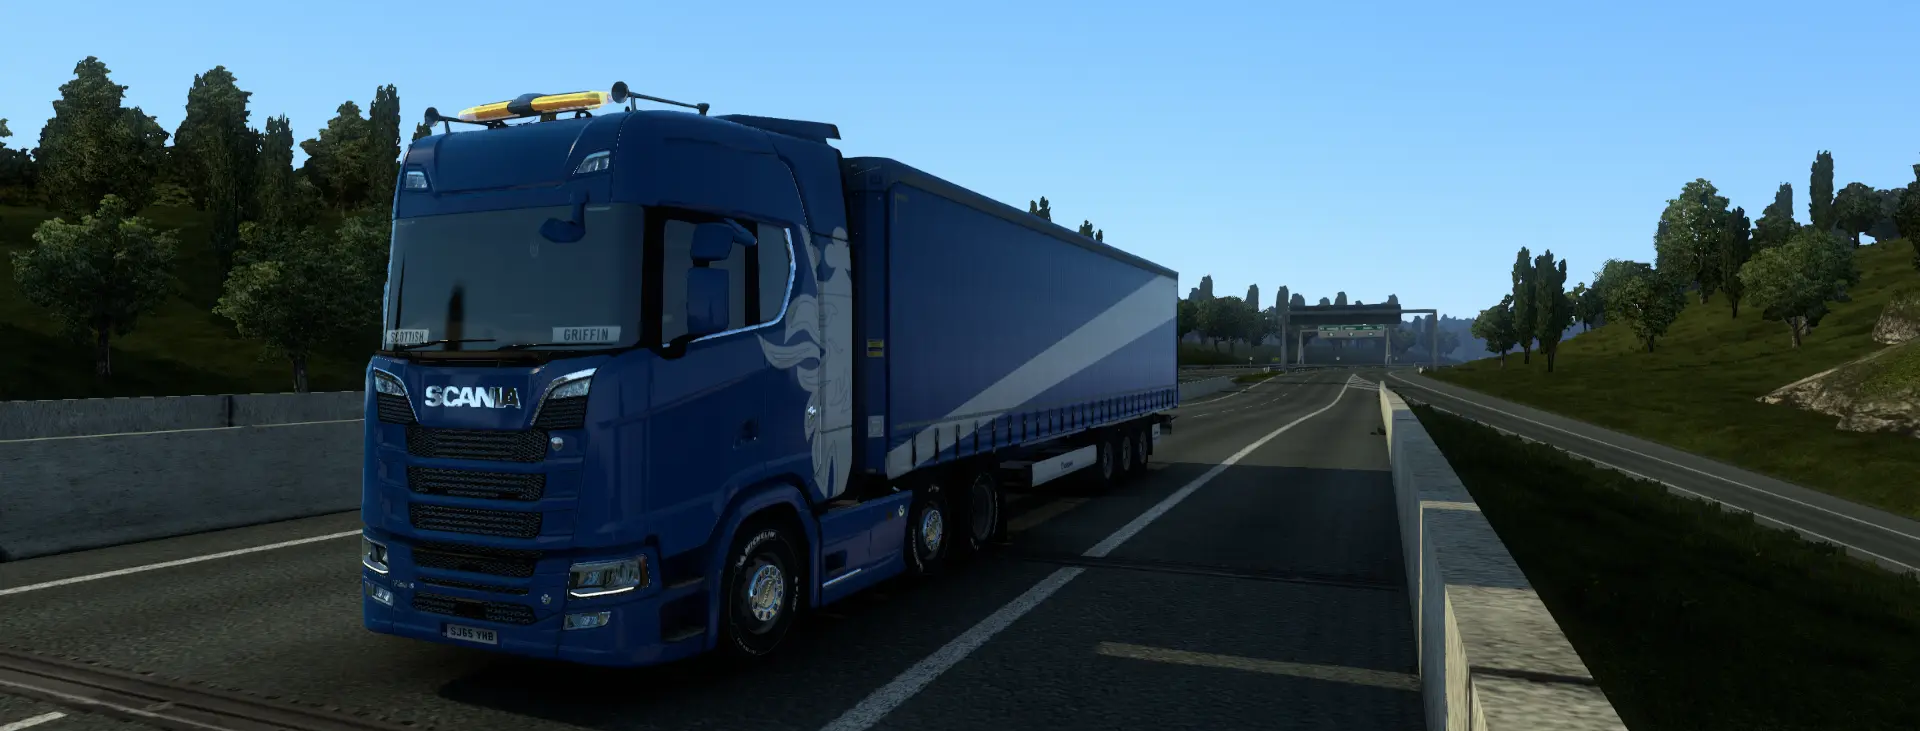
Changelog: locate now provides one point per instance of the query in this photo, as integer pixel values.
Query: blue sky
(1404, 147)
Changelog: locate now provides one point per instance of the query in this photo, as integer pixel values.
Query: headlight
(373, 555)
(384, 382)
(572, 385)
(600, 578)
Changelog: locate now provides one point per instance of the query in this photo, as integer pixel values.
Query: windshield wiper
(449, 341)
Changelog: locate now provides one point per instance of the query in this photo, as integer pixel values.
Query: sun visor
(520, 156)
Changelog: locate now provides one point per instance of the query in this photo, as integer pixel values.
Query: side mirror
(715, 241)
(707, 298)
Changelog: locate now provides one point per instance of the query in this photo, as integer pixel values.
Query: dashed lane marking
(28, 723)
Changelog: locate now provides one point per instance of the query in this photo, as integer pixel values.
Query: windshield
(491, 280)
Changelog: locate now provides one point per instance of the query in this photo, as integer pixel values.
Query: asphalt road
(1245, 582)
(1872, 534)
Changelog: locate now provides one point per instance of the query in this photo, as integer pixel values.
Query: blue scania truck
(653, 381)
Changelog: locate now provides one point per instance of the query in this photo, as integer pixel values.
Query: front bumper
(529, 615)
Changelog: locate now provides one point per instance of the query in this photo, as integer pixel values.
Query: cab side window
(757, 276)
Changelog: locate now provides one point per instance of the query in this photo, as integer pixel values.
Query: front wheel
(763, 591)
(928, 530)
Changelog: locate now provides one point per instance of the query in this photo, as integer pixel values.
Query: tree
(423, 129)
(1907, 218)
(1340, 299)
(1578, 296)
(1644, 299)
(1735, 250)
(1855, 210)
(337, 159)
(299, 290)
(1224, 318)
(93, 147)
(1552, 308)
(1186, 317)
(1495, 326)
(1253, 297)
(1590, 306)
(1776, 223)
(1794, 283)
(1041, 209)
(97, 277)
(1523, 303)
(383, 147)
(281, 198)
(1820, 192)
(1324, 302)
(1299, 300)
(1687, 243)
(219, 156)
(19, 175)
(1087, 230)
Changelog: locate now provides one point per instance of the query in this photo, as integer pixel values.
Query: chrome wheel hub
(766, 590)
(933, 529)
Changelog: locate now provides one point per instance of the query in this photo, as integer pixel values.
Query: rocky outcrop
(1900, 321)
(1876, 393)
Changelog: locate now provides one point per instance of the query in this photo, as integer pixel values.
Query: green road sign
(1352, 331)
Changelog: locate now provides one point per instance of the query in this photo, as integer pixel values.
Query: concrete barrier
(1491, 656)
(1196, 389)
(86, 473)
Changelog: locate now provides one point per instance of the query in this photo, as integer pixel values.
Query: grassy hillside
(1697, 390)
(180, 349)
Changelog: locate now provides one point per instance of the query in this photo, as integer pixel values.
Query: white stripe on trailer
(1128, 320)
(1053, 468)
(1156, 432)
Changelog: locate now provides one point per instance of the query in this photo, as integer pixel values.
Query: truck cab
(606, 338)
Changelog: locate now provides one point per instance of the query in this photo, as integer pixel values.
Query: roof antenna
(622, 94)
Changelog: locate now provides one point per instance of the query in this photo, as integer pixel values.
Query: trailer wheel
(1125, 460)
(986, 521)
(762, 584)
(1109, 462)
(929, 526)
(1142, 449)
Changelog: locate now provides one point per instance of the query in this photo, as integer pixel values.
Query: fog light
(379, 593)
(588, 620)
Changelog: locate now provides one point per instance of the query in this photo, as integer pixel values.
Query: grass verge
(1694, 618)
(1255, 377)
(1698, 390)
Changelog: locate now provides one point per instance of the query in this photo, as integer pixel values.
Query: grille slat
(497, 446)
(511, 562)
(393, 409)
(477, 521)
(566, 413)
(482, 485)
(475, 586)
(502, 612)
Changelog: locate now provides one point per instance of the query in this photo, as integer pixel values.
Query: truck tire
(985, 513)
(1106, 469)
(1142, 449)
(928, 531)
(762, 585)
(1124, 458)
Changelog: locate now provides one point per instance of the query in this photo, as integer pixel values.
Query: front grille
(475, 586)
(477, 521)
(566, 413)
(514, 562)
(503, 612)
(483, 485)
(497, 446)
(393, 409)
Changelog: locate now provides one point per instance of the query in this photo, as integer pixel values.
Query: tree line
(1703, 246)
(302, 252)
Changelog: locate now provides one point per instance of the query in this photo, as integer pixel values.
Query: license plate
(471, 634)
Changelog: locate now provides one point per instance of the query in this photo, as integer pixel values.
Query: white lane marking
(1331, 673)
(1671, 486)
(176, 431)
(1628, 450)
(878, 704)
(171, 564)
(32, 722)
